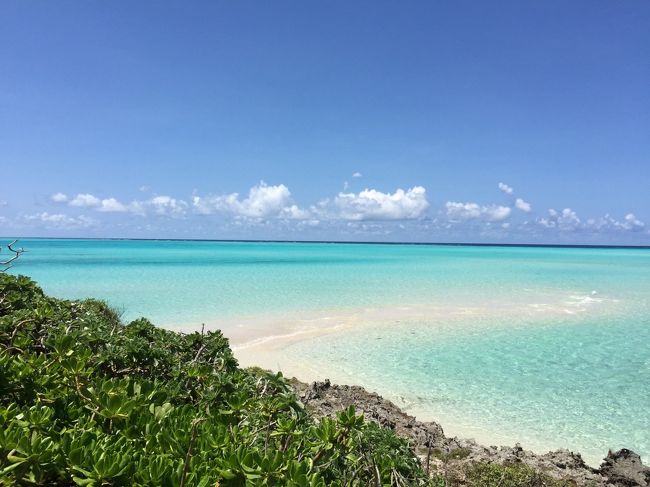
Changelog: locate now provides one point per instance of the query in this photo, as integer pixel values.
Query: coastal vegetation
(87, 400)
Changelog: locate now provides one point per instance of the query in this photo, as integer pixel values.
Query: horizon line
(353, 242)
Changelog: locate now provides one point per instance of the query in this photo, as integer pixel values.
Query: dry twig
(17, 253)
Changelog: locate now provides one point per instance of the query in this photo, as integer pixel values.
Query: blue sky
(329, 120)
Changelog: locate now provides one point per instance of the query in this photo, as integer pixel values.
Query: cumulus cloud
(266, 201)
(262, 201)
(357, 175)
(462, 211)
(60, 220)
(294, 212)
(633, 223)
(519, 203)
(629, 223)
(371, 204)
(111, 205)
(167, 206)
(105, 205)
(567, 219)
(494, 213)
(459, 212)
(159, 205)
(505, 188)
(369, 210)
(85, 200)
(523, 205)
(59, 197)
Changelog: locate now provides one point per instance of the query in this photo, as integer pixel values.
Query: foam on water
(547, 346)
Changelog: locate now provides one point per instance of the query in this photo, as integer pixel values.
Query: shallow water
(547, 346)
(577, 383)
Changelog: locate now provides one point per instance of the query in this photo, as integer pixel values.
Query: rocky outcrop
(624, 468)
(438, 452)
(325, 399)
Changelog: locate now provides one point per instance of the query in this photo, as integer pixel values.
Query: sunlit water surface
(549, 346)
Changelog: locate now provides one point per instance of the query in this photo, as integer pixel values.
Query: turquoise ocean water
(547, 346)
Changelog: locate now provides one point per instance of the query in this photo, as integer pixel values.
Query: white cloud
(462, 211)
(505, 188)
(59, 220)
(85, 200)
(495, 213)
(262, 201)
(357, 175)
(629, 223)
(106, 205)
(458, 212)
(523, 205)
(567, 219)
(160, 205)
(112, 205)
(168, 206)
(274, 201)
(632, 222)
(371, 204)
(294, 212)
(59, 197)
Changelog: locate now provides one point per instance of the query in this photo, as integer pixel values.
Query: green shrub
(510, 475)
(86, 400)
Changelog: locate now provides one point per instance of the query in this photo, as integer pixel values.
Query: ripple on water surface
(573, 372)
(582, 384)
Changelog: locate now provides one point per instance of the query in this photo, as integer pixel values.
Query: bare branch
(17, 253)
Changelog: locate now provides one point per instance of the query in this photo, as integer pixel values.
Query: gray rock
(621, 469)
(624, 468)
(325, 399)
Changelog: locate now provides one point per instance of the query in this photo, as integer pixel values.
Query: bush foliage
(86, 400)
(493, 475)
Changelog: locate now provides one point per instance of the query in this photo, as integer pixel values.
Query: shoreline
(438, 452)
(464, 431)
(255, 347)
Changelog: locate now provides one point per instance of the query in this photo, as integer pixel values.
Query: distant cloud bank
(369, 211)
